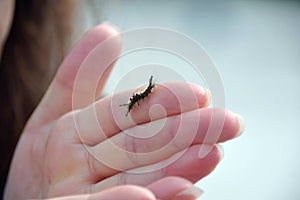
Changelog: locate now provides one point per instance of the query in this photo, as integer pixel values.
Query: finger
(127, 150)
(58, 98)
(124, 193)
(172, 98)
(185, 164)
(117, 193)
(175, 188)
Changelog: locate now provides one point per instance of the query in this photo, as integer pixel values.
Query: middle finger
(123, 152)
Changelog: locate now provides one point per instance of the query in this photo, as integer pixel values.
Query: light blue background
(256, 48)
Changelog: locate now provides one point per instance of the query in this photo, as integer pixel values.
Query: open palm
(62, 150)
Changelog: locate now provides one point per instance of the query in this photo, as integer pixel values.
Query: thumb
(58, 98)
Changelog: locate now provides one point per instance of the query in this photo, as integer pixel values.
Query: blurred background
(256, 48)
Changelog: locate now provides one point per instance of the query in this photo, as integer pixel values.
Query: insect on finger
(136, 98)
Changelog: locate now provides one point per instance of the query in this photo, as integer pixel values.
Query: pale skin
(6, 12)
(54, 159)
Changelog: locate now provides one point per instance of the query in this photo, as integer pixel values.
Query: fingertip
(203, 95)
(241, 123)
(191, 193)
(169, 187)
(221, 151)
(91, 39)
(233, 124)
(208, 97)
(111, 25)
(102, 32)
(174, 187)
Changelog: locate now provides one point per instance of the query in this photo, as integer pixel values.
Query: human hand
(56, 156)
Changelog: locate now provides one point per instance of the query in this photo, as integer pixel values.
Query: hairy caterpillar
(136, 98)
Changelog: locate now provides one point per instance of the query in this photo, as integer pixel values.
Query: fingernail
(192, 192)
(204, 150)
(113, 25)
(221, 151)
(208, 96)
(241, 125)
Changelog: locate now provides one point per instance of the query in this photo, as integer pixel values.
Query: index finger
(106, 118)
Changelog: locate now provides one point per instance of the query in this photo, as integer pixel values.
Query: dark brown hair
(34, 49)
